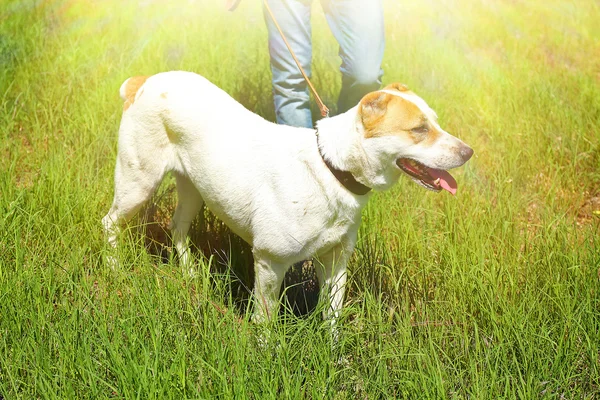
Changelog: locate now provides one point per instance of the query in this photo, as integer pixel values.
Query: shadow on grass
(209, 237)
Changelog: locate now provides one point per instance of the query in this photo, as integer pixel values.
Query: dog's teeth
(437, 181)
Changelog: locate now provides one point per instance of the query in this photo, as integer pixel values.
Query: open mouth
(430, 178)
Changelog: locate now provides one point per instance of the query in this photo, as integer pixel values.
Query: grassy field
(494, 293)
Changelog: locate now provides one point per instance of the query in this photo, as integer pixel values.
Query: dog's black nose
(466, 153)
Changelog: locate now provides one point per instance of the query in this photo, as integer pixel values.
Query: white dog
(290, 193)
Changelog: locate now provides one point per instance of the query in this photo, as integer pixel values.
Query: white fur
(267, 182)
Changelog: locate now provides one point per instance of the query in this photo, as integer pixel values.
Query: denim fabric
(357, 25)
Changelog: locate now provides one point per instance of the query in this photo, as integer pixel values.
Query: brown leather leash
(344, 177)
(322, 106)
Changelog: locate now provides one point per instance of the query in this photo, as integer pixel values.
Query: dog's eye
(420, 129)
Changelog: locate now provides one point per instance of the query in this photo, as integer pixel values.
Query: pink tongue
(447, 182)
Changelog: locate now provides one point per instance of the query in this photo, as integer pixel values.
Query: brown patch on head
(384, 114)
(373, 108)
(401, 87)
(131, 88)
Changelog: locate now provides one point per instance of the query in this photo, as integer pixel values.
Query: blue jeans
(357, 25)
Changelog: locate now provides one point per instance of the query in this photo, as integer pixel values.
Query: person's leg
(358, 27)
(290, 91)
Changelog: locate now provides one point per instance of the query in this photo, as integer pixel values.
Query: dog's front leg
(268, 276)
(331, 272)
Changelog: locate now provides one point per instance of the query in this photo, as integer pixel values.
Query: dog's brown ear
(372, 108)
(397, 86)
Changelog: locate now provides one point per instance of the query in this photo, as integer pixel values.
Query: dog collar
(344, 177)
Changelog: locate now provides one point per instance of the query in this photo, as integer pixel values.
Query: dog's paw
(111, 262)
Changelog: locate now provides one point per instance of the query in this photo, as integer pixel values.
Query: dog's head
(401, 133)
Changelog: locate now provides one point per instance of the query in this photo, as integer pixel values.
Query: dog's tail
(130, 90)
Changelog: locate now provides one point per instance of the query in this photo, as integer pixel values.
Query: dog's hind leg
(189, 202)
(136, 179)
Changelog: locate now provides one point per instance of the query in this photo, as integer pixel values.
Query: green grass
(494, 293)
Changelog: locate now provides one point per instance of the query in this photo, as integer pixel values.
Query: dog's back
(238, 163)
